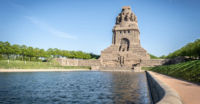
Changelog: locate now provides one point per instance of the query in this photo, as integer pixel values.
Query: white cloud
(50, 29)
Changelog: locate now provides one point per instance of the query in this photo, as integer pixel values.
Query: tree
(183, 51)
(30, 52)
(189, 49)
(37, 53)
(67, 54)
(163, 57)
(16, 50)
(197, 47)
(43, 53)
(54, 53)
(1, 48)
(23, 49)
(175, 54)
(169, 56)
(73, 54)
(50, 52)
(8, 49)
(87, 56)
(80, 55)
(64, 53)
(94, 56)
(57, 52)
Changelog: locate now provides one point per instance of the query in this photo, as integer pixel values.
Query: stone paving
(189, 92)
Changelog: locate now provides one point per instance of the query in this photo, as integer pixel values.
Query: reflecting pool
(84, 87)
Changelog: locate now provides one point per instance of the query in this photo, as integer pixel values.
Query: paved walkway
(189, 92)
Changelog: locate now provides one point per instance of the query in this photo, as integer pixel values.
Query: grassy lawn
(16, 64)
(187, 70)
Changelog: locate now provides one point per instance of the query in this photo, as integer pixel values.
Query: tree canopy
(191, 49)
(23, 52)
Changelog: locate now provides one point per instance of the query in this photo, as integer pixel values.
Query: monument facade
(125, 49)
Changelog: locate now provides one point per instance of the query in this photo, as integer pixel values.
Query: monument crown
(126, 17)
(126, 8)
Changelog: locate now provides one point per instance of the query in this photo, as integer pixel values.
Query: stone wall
(89, 63)
(77, 62)
(179, 59)
(67, 62)
(155, 62)
(97, 63)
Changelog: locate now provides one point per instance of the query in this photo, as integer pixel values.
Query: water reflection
(74, 87)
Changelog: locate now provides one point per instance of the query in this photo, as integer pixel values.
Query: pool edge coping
(161, 93)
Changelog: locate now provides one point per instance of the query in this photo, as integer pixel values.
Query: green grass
(153, 57)
(16, 64)
(187, 70)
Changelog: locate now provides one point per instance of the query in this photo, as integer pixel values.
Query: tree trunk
(29, 58)
(8, 56)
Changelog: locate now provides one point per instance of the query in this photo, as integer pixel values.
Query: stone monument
(125, 50)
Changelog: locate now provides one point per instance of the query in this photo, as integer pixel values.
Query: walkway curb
(161, 93)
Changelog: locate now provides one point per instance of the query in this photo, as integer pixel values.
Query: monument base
(137, 69)
(126, 68)
(115, 68)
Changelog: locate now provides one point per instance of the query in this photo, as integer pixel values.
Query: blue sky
(86, 25)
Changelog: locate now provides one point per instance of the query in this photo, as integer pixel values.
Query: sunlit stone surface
(125, 49)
